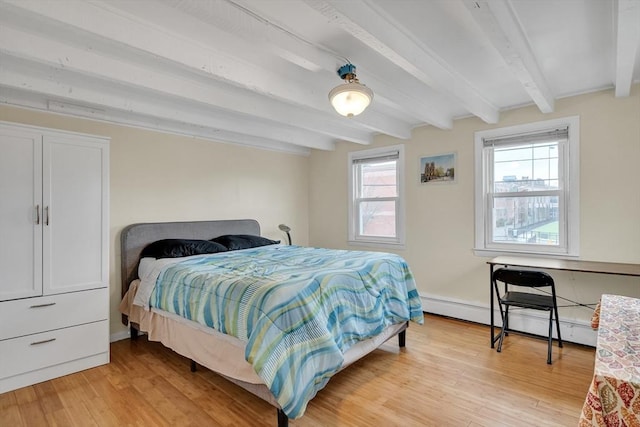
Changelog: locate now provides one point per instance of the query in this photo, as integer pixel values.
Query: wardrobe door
(20, 213)
(75, 217)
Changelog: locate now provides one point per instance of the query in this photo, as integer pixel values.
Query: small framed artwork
(439, 168)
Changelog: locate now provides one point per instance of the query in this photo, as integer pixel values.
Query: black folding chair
(526, 279)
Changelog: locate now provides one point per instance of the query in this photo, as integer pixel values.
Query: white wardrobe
(54, 254)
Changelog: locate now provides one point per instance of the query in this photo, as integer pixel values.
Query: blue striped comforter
(299, 309)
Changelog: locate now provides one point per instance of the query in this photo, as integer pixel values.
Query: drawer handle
(43, 342)
(43, 305)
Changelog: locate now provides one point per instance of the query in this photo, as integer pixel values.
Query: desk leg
(491, 304)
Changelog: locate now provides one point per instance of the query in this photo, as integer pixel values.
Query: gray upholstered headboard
(135, 237)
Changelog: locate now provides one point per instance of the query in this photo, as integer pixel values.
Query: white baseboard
(50, 372)
(118, 336)
(573, 330)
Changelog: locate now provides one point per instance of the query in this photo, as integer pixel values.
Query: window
(376, 209)
(527, 189)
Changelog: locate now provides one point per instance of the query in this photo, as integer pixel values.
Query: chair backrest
(528, 278)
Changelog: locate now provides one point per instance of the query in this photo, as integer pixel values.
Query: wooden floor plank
(10, 416)
(447, 375)
(32, 414)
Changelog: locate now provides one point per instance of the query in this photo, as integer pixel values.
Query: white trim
(573, 330)
(399, 241)
(120, 335)
(55, 132)
(139, 121)
(572, 186)
(396, 246)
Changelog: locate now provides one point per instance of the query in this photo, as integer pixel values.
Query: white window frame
(354, 237)
(570, 174)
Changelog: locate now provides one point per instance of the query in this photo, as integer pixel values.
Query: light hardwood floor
(446, 376)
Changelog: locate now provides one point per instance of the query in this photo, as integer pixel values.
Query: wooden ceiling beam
(85, 91)
(498, 20)
(627, 43)
(240, 20)
(133, 32)
(42, 102)
(302, 52)
(370, 24)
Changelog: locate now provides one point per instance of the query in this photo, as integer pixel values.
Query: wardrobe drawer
(38, 351)
(33, 315)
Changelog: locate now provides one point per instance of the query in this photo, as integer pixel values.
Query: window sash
(564, 132)
(363, 197)
(562, 231)
(360, 232)
(359, 177)
(359, 200)
(492, 196)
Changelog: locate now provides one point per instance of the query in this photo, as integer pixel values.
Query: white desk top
(569, 265)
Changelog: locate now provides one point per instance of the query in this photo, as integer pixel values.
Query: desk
(614, 395)
(557, 264)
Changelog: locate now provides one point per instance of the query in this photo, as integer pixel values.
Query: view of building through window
(378, 192)
(526, 194)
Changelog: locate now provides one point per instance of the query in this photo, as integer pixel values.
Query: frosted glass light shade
(350, 99)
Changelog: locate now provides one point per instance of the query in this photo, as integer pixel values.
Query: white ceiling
(257, 72)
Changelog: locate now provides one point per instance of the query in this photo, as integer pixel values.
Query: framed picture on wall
(440, 168)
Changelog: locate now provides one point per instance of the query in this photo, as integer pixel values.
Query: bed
(255, 360)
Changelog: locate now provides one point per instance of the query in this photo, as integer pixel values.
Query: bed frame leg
(283, 420)
(133, 332)
(402, 337)
(193, 366)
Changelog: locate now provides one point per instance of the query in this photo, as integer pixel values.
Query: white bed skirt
(219, 352)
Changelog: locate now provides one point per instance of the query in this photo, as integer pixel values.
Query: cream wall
(440, 218)
(161, 177)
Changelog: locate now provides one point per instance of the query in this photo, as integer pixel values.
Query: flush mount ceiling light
(351, 98)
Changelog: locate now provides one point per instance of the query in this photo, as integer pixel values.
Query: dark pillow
(243, 241)
(175, 248)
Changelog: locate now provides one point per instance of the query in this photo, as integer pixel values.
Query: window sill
(385, 245)
(491, 253)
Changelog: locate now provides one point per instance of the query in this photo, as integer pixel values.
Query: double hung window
(527, 188)
(376, 209)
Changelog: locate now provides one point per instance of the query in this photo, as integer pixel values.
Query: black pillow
(243, 241)
(175, 248)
